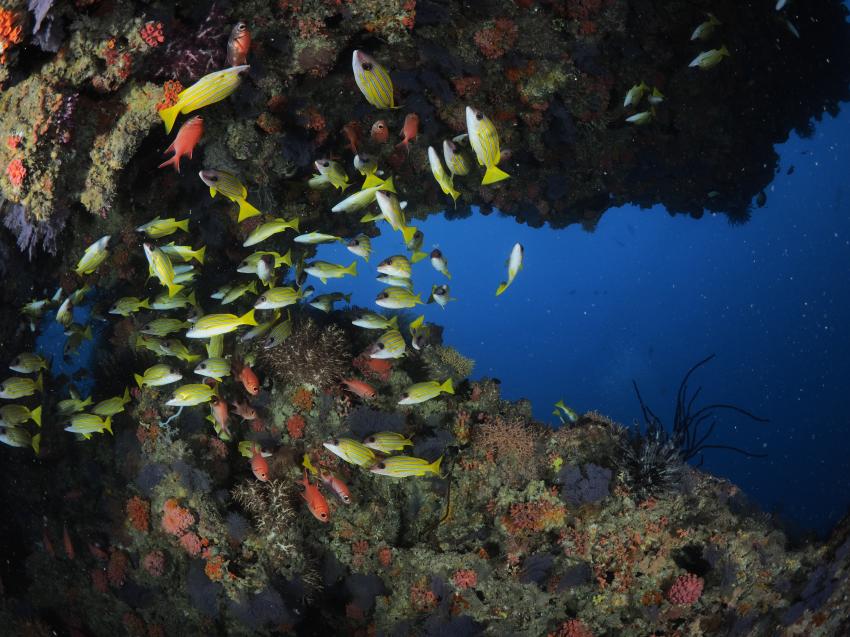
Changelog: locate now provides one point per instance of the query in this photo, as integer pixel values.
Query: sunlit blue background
(647, 295)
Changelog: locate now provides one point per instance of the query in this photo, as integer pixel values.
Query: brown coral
(312, 355)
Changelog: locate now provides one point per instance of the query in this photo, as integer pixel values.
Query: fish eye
(371, 439)
(262, 299)
(346, 499)
(479, 115)
(213, 177)
(202, 366)
(380, 346)
(334, 441)
(367, 66)
(417, 234)
(365, 157)
(323, 515)
(326, 164)
(382, 465)
(241, 26)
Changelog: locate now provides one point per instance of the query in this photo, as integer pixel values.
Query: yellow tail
(434, 467)
(173, 289)
(502, 287)
(145, 304)
(199, 254)
(494, 174)
(416, 257)
(248, 318)
(169, 115)
(407, 232)
(246, 210)
(35, 414)
(294, 223)
(394, 322)
(39, 384)
(455, 194)
(192, 300)
(371, 181)
(107, 424)
(36, 443)
(370, 217)
(352, 269)
(139, 379)
(447, 387)
(182, 225)
(286, 259)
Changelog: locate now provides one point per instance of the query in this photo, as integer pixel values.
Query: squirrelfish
(397, 298)
(112, 406)
(364, 197)
(360, 388)
(380, 132)
(94, 255)
(279, 333)
(351, 451)
(164, 326)
(88, 424)
(406, 466)
(420, 392)
(158, 375)
(249, 380)
(259, 465)
(373, 81)
(238, 291)
(28, 363)
(72, 405)
(710, 58)
(208, 90)
(160, 266)
(184, 253)
(228, 185)
(440, 295)
(13, 415)
(313, 238)
(514, 266)
(323, 270)
(184, 143)
(220, 416)
(330, 172)
(396, 265)
(484, 140)
(360, 245)
(216, 368)
(325, 302)
(455, 160)
(352, 134)
(19, 387)
(238, 45)
(336, 485)
(387, 441)
(213, 324)
(441, 265)
(635, 94)
(409, 131)
(372, 321)
(316, 502)
(390, 345)
(568, 413)
(244, 410)
(127, 305)
(270, 228)
(705, 29)
(274, 298)
(189, 395)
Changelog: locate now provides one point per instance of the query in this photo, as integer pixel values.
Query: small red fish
(238, 45)
(352, 133)
(315, 500)
(48, 545)
(380, 132)
(409, 131)
(184, 143)
(244, 410)
(259, 465)
(249, 380)
(336, 484)
(360, 388)
(66, 540)
(380, 367)
(218, 407)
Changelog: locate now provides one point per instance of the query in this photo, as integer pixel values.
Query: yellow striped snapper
(150, 343)
(395, 281)
(330, 172)
(413, 244)
(208, 90)
(213, 324)
(514, 266)
(455, 160)
(397, 298)
(314, 238)
(238, 291)
(406, 466)
(325, 302)
(420, 333)
(158, 375)
(160, 266)
(28, 363)
(35, 308)
(656, 97)
(94, 255)
(14, 415)
(112, 406)
(72, 405)
(16, 387)
(420, 392)
(88, 424)
(364, 197)
(18, 437)
(180, 300)
(387, 441)
(215, 346)
(176, 348)
(440, 295)
(564, 413)
(361, 245)
(391, 211)
(216, 368)
(397, 265)
(222, 291)
(79, 294)
(275, 298)
(441, 176)
(373, 80)
(268, 229)
(127, 305)
(705, 29)
(259, 330)
(372, 321)
(184, 253)
(390, 345)
(323, 270)
(65, 313)
(164, 326)
(158, 228)
(190, 395)
(635, 94)
(711, 58)
(279, 334)
(249, 263)
(228, 185)
(484, 140)
(351, 451)
(366, 164)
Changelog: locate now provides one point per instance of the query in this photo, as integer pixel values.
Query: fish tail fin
(169, 116)
(248, 318)
(454, 194)
(139, 379)
(35, 414)
(295, 223)
(145, 303)
(393, 322)
(371, 181)
(447, 387)
(724, 50)
(502, 287)
(107, 424)
(87, 334)
(407, 232)
(173, 289)
(494, 174)
(352, 269)
(388, 185)
(36, 443)
(174, 161)
(183, 225)
(417, 256)
(246, 211)
(126, 397)
(192, 298)
(199, 254)
(39, 383)
(434, 467)
(286, 259)
(416, 323)
(417, 300)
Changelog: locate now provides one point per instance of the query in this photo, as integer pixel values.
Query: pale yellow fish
(249, 263)
(484, 140)
(364, 197)
(276, 298)
(390, 345)
(635, 94)
(164, 326)
(19, 387)
(238, 291)
(373, 80)
(88, 424)
(160, 266)
(391, 211)
(158, 228)
(330, 172)
(180, 300)
(190, 395)
(361, 245)
(279, 333)
(28, 363)
(406, 466)
(65, 313)
(440, 174)
(372, 321)
(314, 238)
(420, 392)
(514, 266)
(213, 324)
(158, 375)
(94, 255)
(323, 270)
(709, 59)
(208, 90)
(175, 347)
(455, 160)
(19, 437)
(127, 305)
(13, 415)
(184, 253)
(216, 368)
(351, 451)
(387, 441)
(270, 228)
(112, 406)
(72, 405)
(397, 298)
(229, 185)
(397, 265)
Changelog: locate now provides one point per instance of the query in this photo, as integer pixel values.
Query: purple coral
(32, 233)
(686, 590)
(189, 54)
(588, 484)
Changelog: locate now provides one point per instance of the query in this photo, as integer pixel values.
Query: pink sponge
(686, 590)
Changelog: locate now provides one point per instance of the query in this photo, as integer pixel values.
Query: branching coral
(312, 355)
(512, 444)
(446, 361)
(269, 504)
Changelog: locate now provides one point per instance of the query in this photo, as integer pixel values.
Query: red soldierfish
(249, 380)
(219, 412)
(360, 388)
(184, 143)
(380, 132)
(409, 131)
(66, 540)
(238, 45)
(259, 465)
(244, 410)
(352, 134)
(336, 484)
(315, 500)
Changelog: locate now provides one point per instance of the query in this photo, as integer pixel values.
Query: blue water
(647, 295)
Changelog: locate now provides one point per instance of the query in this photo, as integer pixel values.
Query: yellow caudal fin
(434, 467)
(183, 225)
(173, 289)
(494, 174)
(198, 254)
(367, 217)
(416, 257)
(294, 223)
(246, 210)
(371, 181)
(415, 324)
(455, 194)
(107, 425)
(447, 387)
(39, 383)
(126, 397)
(248, 318)
(417, 300)
(388, 185)
(286, 259)
(145, 304)
(87, 333)
(36, 443)
(352, 269)
(502, 287)
(169, 115)
(407, 232)
(139, 379)
(35, 414)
